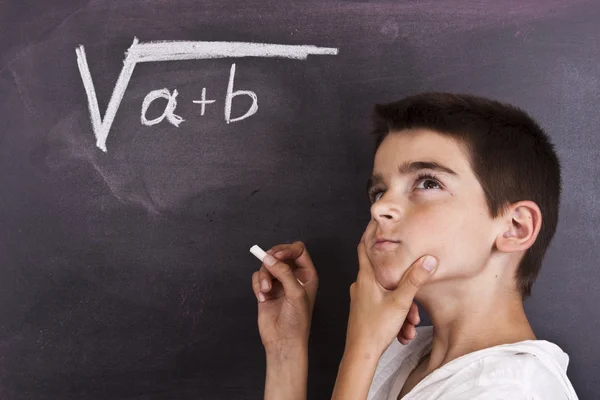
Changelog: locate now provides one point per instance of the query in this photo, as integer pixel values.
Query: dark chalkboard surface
(125, 273)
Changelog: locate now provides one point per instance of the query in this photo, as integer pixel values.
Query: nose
(384, 211)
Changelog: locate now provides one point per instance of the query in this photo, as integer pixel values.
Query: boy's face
(446, 217)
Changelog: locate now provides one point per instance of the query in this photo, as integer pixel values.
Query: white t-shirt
(531, 369)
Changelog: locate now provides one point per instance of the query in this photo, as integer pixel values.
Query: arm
(287, 372)
(376, 317)
(284, 318)
(355, 374)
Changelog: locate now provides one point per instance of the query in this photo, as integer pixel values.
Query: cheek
(460, 246)
(445, 234)
(423, 233)
(453, 237)
(433, 232)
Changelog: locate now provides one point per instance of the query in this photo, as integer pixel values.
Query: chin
(388, 277)
(388, 270)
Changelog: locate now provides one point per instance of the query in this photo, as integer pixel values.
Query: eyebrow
(411, 167)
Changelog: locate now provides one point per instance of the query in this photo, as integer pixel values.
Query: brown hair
(509, 153)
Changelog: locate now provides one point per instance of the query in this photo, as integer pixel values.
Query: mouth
(385, 239)
(385, 243)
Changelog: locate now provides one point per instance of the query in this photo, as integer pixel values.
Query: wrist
(363, 352)
(355, 374)
(287, 372)
(286, 349)
(362, 355)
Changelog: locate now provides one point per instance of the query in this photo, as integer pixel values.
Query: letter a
(169, 111)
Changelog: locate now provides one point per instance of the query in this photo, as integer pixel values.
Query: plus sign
(203, 102)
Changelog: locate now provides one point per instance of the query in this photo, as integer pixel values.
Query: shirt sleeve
(496, 391)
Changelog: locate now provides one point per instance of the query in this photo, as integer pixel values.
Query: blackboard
(125, 271)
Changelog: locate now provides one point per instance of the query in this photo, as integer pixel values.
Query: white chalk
(260, 254)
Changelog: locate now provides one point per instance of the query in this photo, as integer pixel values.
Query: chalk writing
(180, 50)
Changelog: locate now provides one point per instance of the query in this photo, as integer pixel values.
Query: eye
(373, 192)
(426, 178)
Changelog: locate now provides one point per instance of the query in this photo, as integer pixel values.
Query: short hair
(509, 153)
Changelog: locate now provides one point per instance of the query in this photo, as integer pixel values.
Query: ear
(521, 225)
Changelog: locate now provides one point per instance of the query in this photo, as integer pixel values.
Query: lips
(381, 239)
(385, 243)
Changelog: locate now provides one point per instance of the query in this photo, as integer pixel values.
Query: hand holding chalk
(286, 289)
(261, 254)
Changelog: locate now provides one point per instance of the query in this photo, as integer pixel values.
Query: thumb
(284, 274)
(413, 279)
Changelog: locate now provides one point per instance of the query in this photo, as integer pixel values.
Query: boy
(476, 184)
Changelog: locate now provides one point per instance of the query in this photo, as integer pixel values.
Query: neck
(466, 323)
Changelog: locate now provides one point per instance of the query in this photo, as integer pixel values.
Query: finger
(265, 278)
(279, 249)
(365, 267)
(412, 280)
(413, 314)
(304, 267)
(256, 288)
(276, 291)
(297, 257)
(405, 330)
(408, 331)
(275, 249)
(284, 274)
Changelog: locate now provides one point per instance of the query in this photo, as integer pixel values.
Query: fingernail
(269, 260)
(278, 254)
(265, 285)
(261, 297)
(429, 263)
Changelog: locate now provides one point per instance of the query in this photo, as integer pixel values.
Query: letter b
(231, 94)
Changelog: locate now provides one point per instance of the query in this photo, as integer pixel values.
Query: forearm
(287, 373)
(355, 374)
